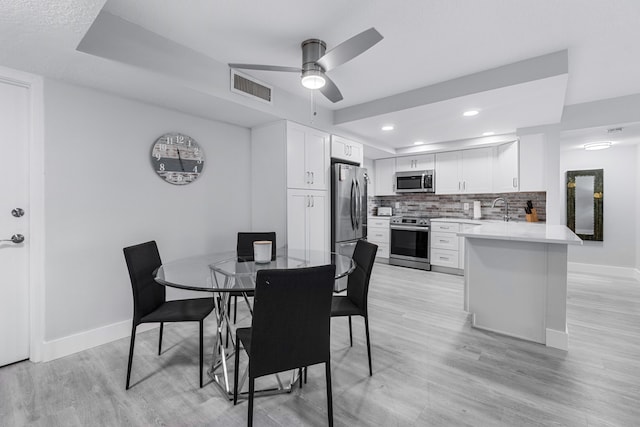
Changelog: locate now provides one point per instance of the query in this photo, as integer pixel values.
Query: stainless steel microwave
(415, 182)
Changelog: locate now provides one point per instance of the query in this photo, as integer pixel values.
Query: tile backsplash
(452, 205)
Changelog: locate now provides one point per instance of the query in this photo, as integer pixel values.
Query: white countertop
(520, 231)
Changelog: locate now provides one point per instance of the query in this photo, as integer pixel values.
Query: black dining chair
(355, 302)
(149, 298)
(244, 252)
(290, 328)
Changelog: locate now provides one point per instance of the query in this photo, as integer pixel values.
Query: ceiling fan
(316, 61)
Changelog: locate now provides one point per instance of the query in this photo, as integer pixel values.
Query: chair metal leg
(226, 344)
(133, 341)
(251, 391)
(235, 372)
(160, 339)
(300, 376)
(201, 349)
(329, 398)
(366, 328)
(350, 333)
(235, 309)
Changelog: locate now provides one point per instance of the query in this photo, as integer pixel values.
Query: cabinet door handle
(444, 241)
(459, 185)
(313, 202)
(515, 182)
(312, 178)
(308, 179)
(464, 185)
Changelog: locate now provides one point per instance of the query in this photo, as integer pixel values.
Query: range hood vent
(248, 86)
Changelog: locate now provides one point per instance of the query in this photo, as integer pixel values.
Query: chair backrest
(142, 260)
(291, 321)
(364, 256)
(244, 247)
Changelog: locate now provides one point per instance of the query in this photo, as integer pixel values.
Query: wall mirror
(584, 203)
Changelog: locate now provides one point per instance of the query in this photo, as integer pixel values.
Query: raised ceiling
(176, 55)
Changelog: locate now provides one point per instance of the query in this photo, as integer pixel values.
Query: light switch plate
(397, 205)
(466, 206)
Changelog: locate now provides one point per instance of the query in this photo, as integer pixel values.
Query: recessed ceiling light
(388, 127)
(488, 133)
(470, 113)
(418, 143)
(597, 145)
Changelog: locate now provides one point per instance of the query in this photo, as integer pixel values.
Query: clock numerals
(161, 168)
(195, 169)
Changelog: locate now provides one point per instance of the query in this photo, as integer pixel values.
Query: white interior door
(14, 290)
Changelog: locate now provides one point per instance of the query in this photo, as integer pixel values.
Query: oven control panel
(422, 222)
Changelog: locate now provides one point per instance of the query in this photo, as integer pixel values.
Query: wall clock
(177, 158)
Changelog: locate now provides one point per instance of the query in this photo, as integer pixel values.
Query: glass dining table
(223, 273)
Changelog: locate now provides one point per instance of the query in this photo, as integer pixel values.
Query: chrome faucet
(506, 206)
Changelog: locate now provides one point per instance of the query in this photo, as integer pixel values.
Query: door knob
(17, 212)
(16, 238)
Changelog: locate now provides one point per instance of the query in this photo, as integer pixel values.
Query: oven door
(410, 243)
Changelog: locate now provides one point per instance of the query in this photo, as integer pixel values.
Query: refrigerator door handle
(358, 205)
(352, 203)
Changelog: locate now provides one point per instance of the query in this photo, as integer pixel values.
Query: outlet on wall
(397, 205)
(466, 206)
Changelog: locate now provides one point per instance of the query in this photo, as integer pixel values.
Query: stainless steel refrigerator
(349, 210)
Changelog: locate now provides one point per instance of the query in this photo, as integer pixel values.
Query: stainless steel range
(410, 241)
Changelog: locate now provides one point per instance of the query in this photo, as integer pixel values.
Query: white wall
(637, 221)
(101, 194)
(620, 228)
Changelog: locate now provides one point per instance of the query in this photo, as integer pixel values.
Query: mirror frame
(598, 187)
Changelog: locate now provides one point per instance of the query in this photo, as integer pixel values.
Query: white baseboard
(557, 339)
(609, 270)
(85, 340)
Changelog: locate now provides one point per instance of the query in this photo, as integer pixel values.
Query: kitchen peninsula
(516, 279)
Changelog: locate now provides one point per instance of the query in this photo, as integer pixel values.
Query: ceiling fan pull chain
(314, 113)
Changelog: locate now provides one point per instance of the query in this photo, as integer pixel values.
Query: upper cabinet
(415, 163)
(307, 157)
(532, 163)
(343, 149)
(505, 169)
(385, 170)
(466, 171)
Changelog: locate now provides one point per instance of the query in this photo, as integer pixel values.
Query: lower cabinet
(308, 225)
(378, 233)
(446, 247)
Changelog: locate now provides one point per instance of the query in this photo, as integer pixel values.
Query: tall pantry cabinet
(290, 184)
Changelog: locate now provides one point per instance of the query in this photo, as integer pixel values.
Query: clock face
(177, 158)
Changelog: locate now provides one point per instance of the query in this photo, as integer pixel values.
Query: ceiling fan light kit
(316, 61)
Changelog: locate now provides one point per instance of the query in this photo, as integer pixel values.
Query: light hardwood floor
(430, 368)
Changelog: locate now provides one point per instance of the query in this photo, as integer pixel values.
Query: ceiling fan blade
(266, 67)
(349, 49)
(330, 90)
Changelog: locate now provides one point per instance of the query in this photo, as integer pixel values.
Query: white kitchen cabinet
(307, 220)
(506, 168)
(308, 158)
(464, 171)
(446, 246)
(278, 152)
(532, 162)
(385, 177)
(415, 163)
(343, 149)
(378, 233)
